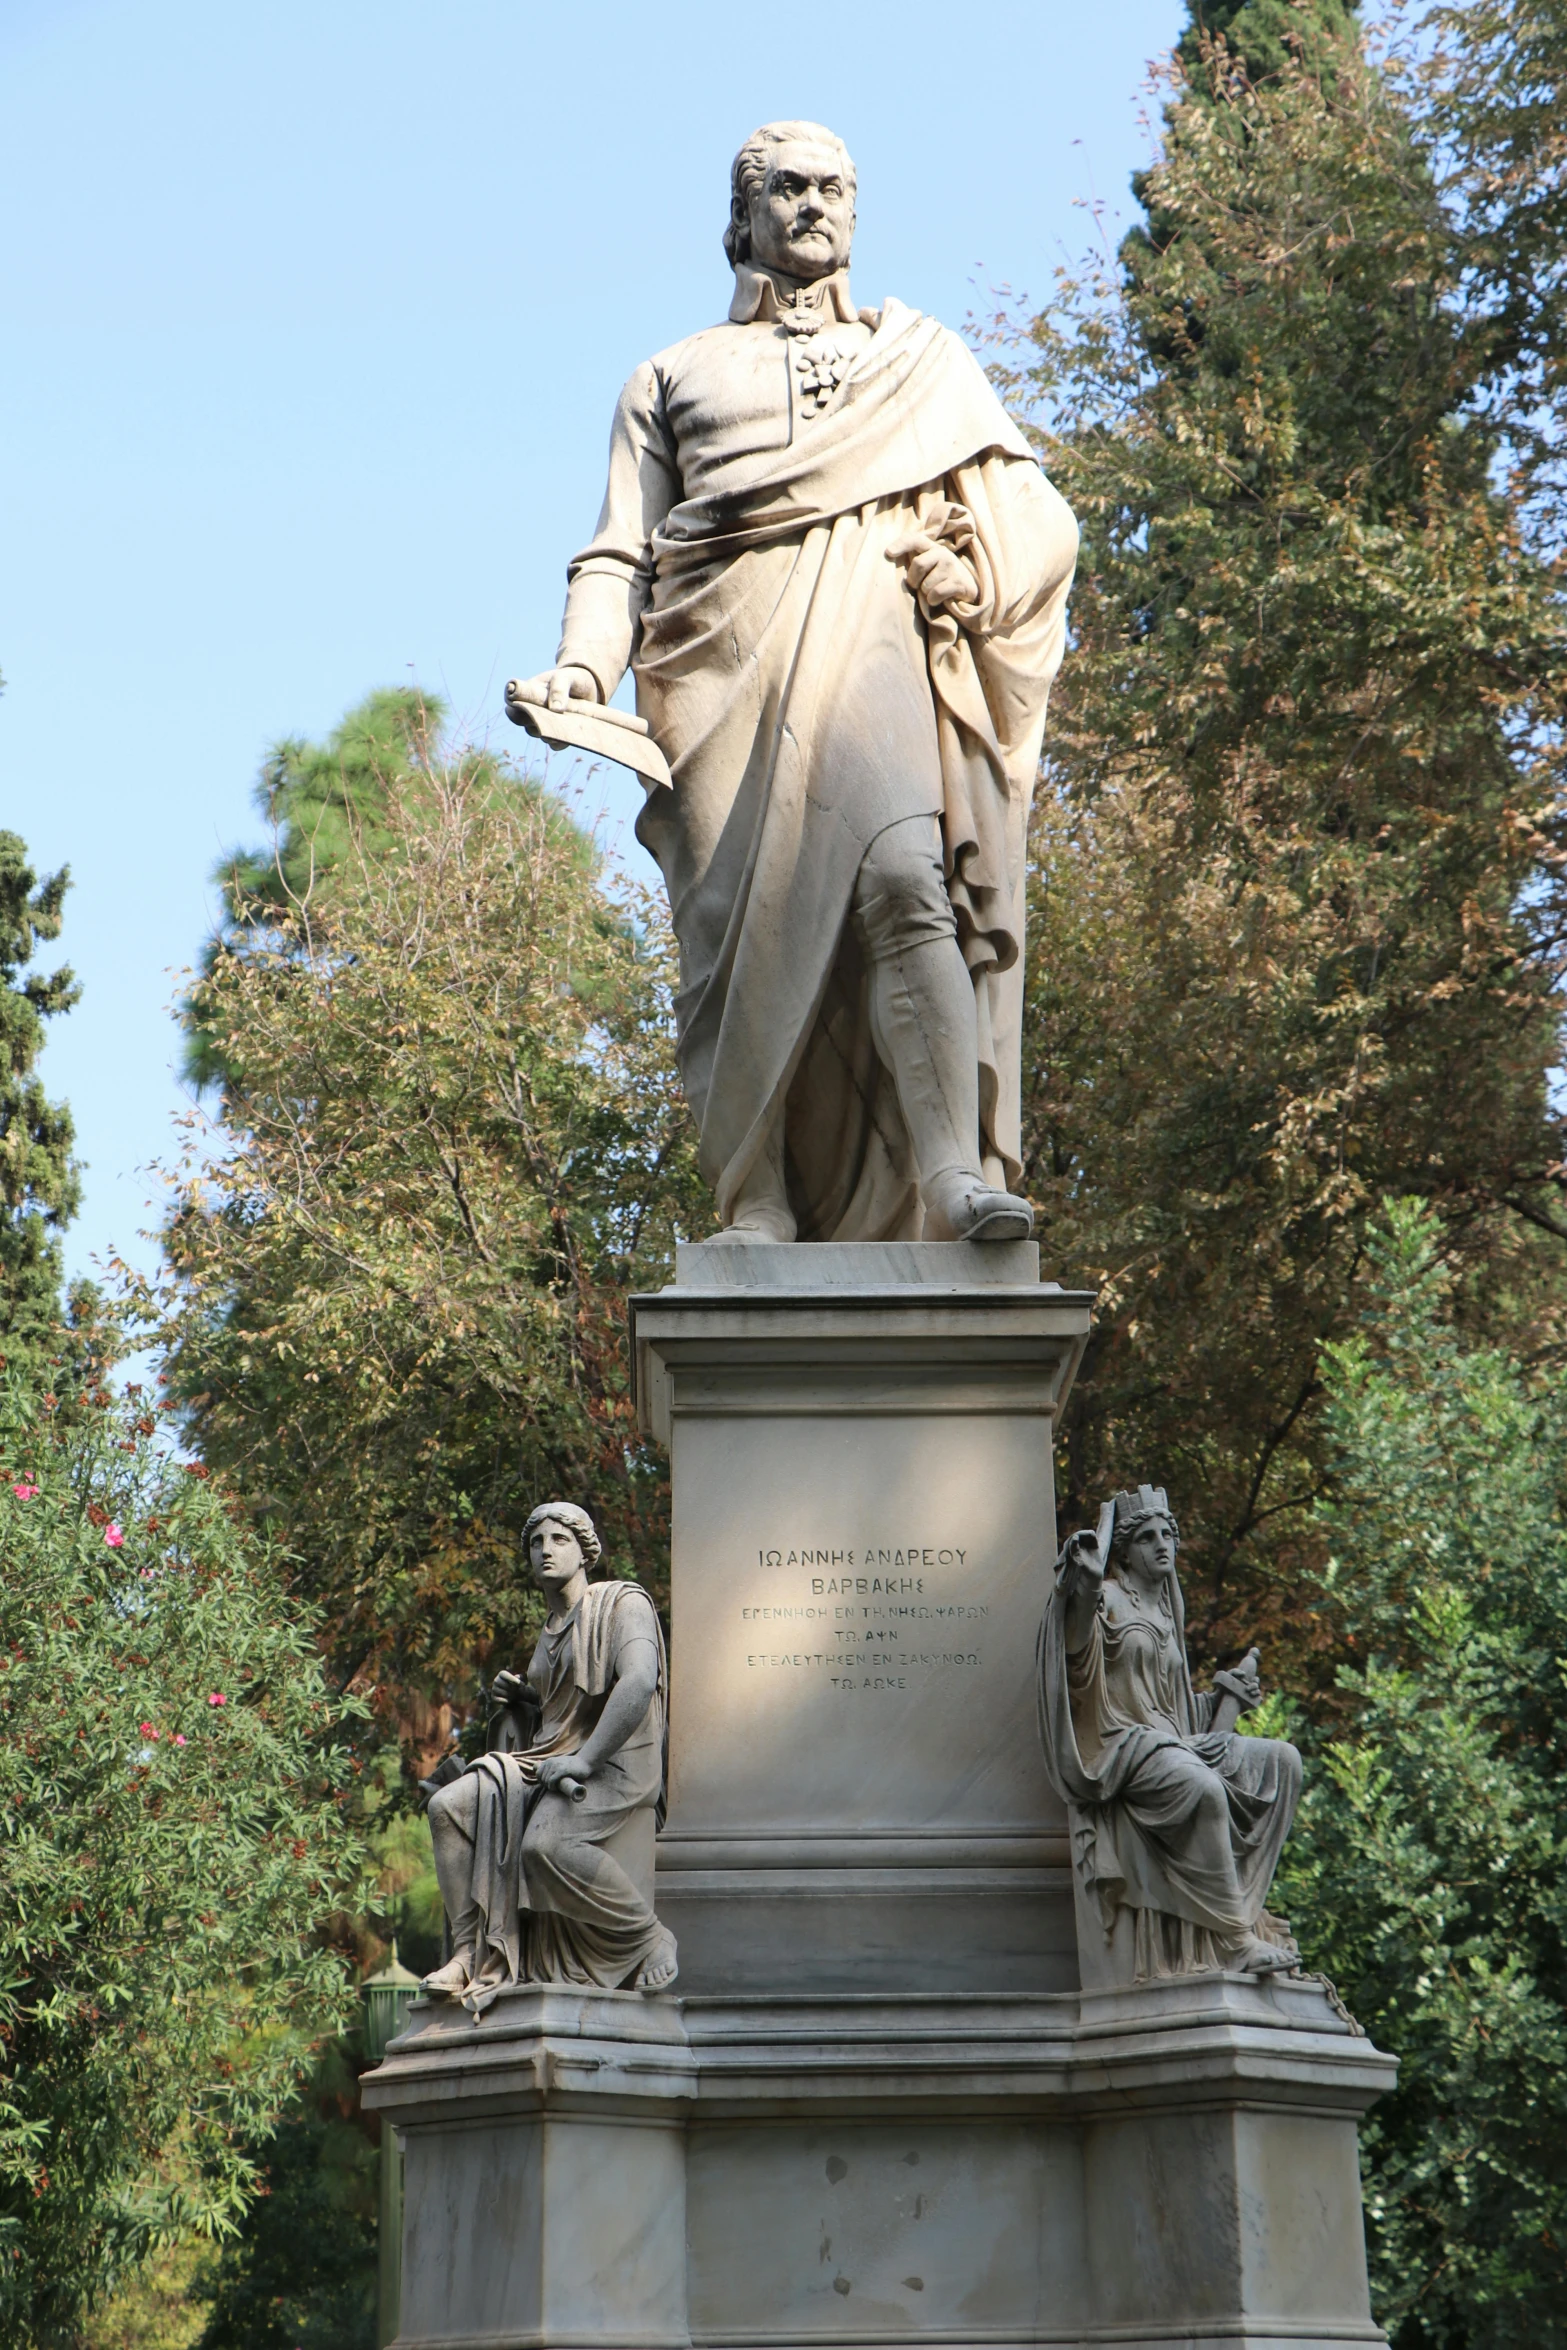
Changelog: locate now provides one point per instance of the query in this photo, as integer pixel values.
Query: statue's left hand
(1245, 1680)
(556, 1767)
(935, 571)
(1236, 1691)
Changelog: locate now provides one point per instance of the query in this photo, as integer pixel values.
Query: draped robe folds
(805, 703)
(1128, 1747)
(550, 1910)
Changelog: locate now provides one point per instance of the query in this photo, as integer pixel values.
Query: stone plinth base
(1174, 2165)
(544, 2171)
(863, 1529)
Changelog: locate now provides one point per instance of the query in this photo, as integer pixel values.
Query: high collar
(759, 296)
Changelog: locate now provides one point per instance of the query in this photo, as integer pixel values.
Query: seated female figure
(525, 1838)
(1175, 1817)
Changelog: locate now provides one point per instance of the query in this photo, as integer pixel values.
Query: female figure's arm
(625, 1708)
(1080, 1584)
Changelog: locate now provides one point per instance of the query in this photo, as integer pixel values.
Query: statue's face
(802, 217)
(554, 1554)
(1152, 1547)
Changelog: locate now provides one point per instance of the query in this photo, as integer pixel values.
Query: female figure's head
(1145, 1537)
(560, 1541)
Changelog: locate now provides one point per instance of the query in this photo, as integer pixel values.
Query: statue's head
(1145, 1530)
(791, 201)
(559, 1538)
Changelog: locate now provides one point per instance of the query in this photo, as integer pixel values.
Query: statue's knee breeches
(900, 896)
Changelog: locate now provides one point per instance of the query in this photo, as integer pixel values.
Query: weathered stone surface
(1144, 2169)
(544, 2181)
(863, 1525)
(839, 577)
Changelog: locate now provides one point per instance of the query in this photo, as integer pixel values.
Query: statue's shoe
(452, 1980)
(965, 1205)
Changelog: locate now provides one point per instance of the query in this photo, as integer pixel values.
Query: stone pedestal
(886, 2106)
(1142, 2169)
(863, 1534)
(544, 2187)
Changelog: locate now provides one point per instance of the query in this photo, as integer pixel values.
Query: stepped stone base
(1169, 2166)
(885, 2110)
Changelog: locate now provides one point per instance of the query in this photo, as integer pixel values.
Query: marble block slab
(601, 2172)
(863, 1530)
(882, 1264)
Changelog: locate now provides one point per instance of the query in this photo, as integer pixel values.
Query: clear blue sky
(316, 313)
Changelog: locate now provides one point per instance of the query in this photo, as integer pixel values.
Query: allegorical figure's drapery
(552, 1905)
(758, 484)
(1178, 1823)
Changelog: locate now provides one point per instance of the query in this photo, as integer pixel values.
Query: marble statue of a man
(1177, 1820)
(525, 1839)
(840, 578)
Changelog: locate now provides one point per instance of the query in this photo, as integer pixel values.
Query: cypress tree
(1299, 914)
(40, 1184)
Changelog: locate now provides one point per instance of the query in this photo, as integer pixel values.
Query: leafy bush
(1426, 1872)
(172, 1833)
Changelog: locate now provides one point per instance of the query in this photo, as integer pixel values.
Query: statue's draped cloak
(805, 703)
(577, 1933)
(1127, 1745)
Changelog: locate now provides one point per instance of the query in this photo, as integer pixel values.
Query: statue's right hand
(1084, 1554)
(552, 689)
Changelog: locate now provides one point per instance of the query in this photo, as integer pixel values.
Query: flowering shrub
(171, 1836)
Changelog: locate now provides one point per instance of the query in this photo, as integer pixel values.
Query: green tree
(1426, 1870)
(173, 1832)
(39, 1183)
(300, 2274)
(1488, 84)
(1298, 911)
(452, 1138)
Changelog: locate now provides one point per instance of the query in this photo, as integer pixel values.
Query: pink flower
(147, 1729)
(178, 1740)
(217, 1698)
(113, 1535)
(24, 1491)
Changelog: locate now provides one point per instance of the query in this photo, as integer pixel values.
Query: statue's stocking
(921, 998)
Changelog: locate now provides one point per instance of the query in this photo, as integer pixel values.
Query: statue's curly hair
(567, 1514)
(748, 173)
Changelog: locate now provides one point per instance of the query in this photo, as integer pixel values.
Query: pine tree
(40, 1183)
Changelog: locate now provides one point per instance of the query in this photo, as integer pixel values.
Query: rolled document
(592, 727)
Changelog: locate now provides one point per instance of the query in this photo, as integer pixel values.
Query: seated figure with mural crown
(1177, 1820)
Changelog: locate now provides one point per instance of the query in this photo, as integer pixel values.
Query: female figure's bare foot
(1254, 1956)
(661, 1965)
(452, 1980)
